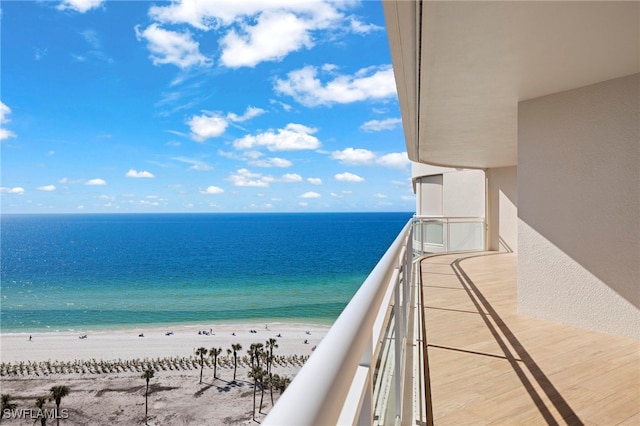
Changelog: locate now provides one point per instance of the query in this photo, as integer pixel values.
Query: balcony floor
(488, 365)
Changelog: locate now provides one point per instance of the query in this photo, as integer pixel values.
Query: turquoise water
(70, 272)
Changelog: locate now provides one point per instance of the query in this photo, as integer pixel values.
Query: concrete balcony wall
(578, 186)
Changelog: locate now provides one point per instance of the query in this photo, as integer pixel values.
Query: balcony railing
(437, 234)
(368, 369)
(361, 371)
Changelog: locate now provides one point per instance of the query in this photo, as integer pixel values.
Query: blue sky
(199, 105)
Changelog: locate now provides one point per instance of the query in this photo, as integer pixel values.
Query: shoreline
(154, 342)
(116, 328)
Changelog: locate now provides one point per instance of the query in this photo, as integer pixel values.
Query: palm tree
(57, 393)
(201, 352)
(285, 383)
(147, 375)
(255, 351)
(40, 404)
(280, 383)
(235, 347)
(214, 352)
(256, 374)
(270, 345)
(6, 404)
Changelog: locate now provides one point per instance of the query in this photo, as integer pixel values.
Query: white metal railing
(437, 234)
(357, 373)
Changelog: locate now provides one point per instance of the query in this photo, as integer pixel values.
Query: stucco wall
(579, 207)
(464, 193)
(430, 196)
(502, 193)
(449, 192)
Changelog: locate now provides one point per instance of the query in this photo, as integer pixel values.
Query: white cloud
(310, 194)
(271, 162)
(368, 83)
(314, 181)
(95, 182)
(354, 156)
(169, 47)
(38, 54)
(81, 6)
(136, 174)
(96, 50)
(395, 160)
(292, 137)
(377, 125)
(6, 134)
(303, 204)
(4, 112)
(206, 126)
(348, 177)
(255, 31)
(212, 190)
(378, 195)
(181, 134)
(274, 36)
(248, 114)
(341, 194)
(244, 177)
(14, 190)
(284, 106)
(47, 188)
(359, 27)
(330, 68)
(291, 177)
(197, 165)
(206, 14)
(359, 157)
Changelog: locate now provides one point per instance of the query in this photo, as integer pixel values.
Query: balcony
(489, 365)
(436, 339)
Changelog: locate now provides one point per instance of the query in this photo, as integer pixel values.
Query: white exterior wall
(445, 191)
(430, 199)
(502, 192)
(579, 207)
(464, 193)
(451, 193)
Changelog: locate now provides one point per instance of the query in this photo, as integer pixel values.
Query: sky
(199, 106)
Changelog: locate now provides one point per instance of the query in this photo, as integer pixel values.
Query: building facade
(528, 114)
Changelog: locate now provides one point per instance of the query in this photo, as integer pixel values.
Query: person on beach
(29, 337)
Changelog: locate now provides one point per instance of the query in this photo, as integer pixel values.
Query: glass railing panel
(434, 235)
(465, 236)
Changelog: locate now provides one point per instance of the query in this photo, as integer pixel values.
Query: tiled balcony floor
(488, 365)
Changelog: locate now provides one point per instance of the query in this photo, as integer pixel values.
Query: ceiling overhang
(462, 67)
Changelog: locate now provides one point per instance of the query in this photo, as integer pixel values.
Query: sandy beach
(176, 397)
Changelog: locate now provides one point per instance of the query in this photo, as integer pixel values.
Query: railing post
(366, 411)
(398, 318)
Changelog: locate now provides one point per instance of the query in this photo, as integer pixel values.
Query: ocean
(109, 271)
